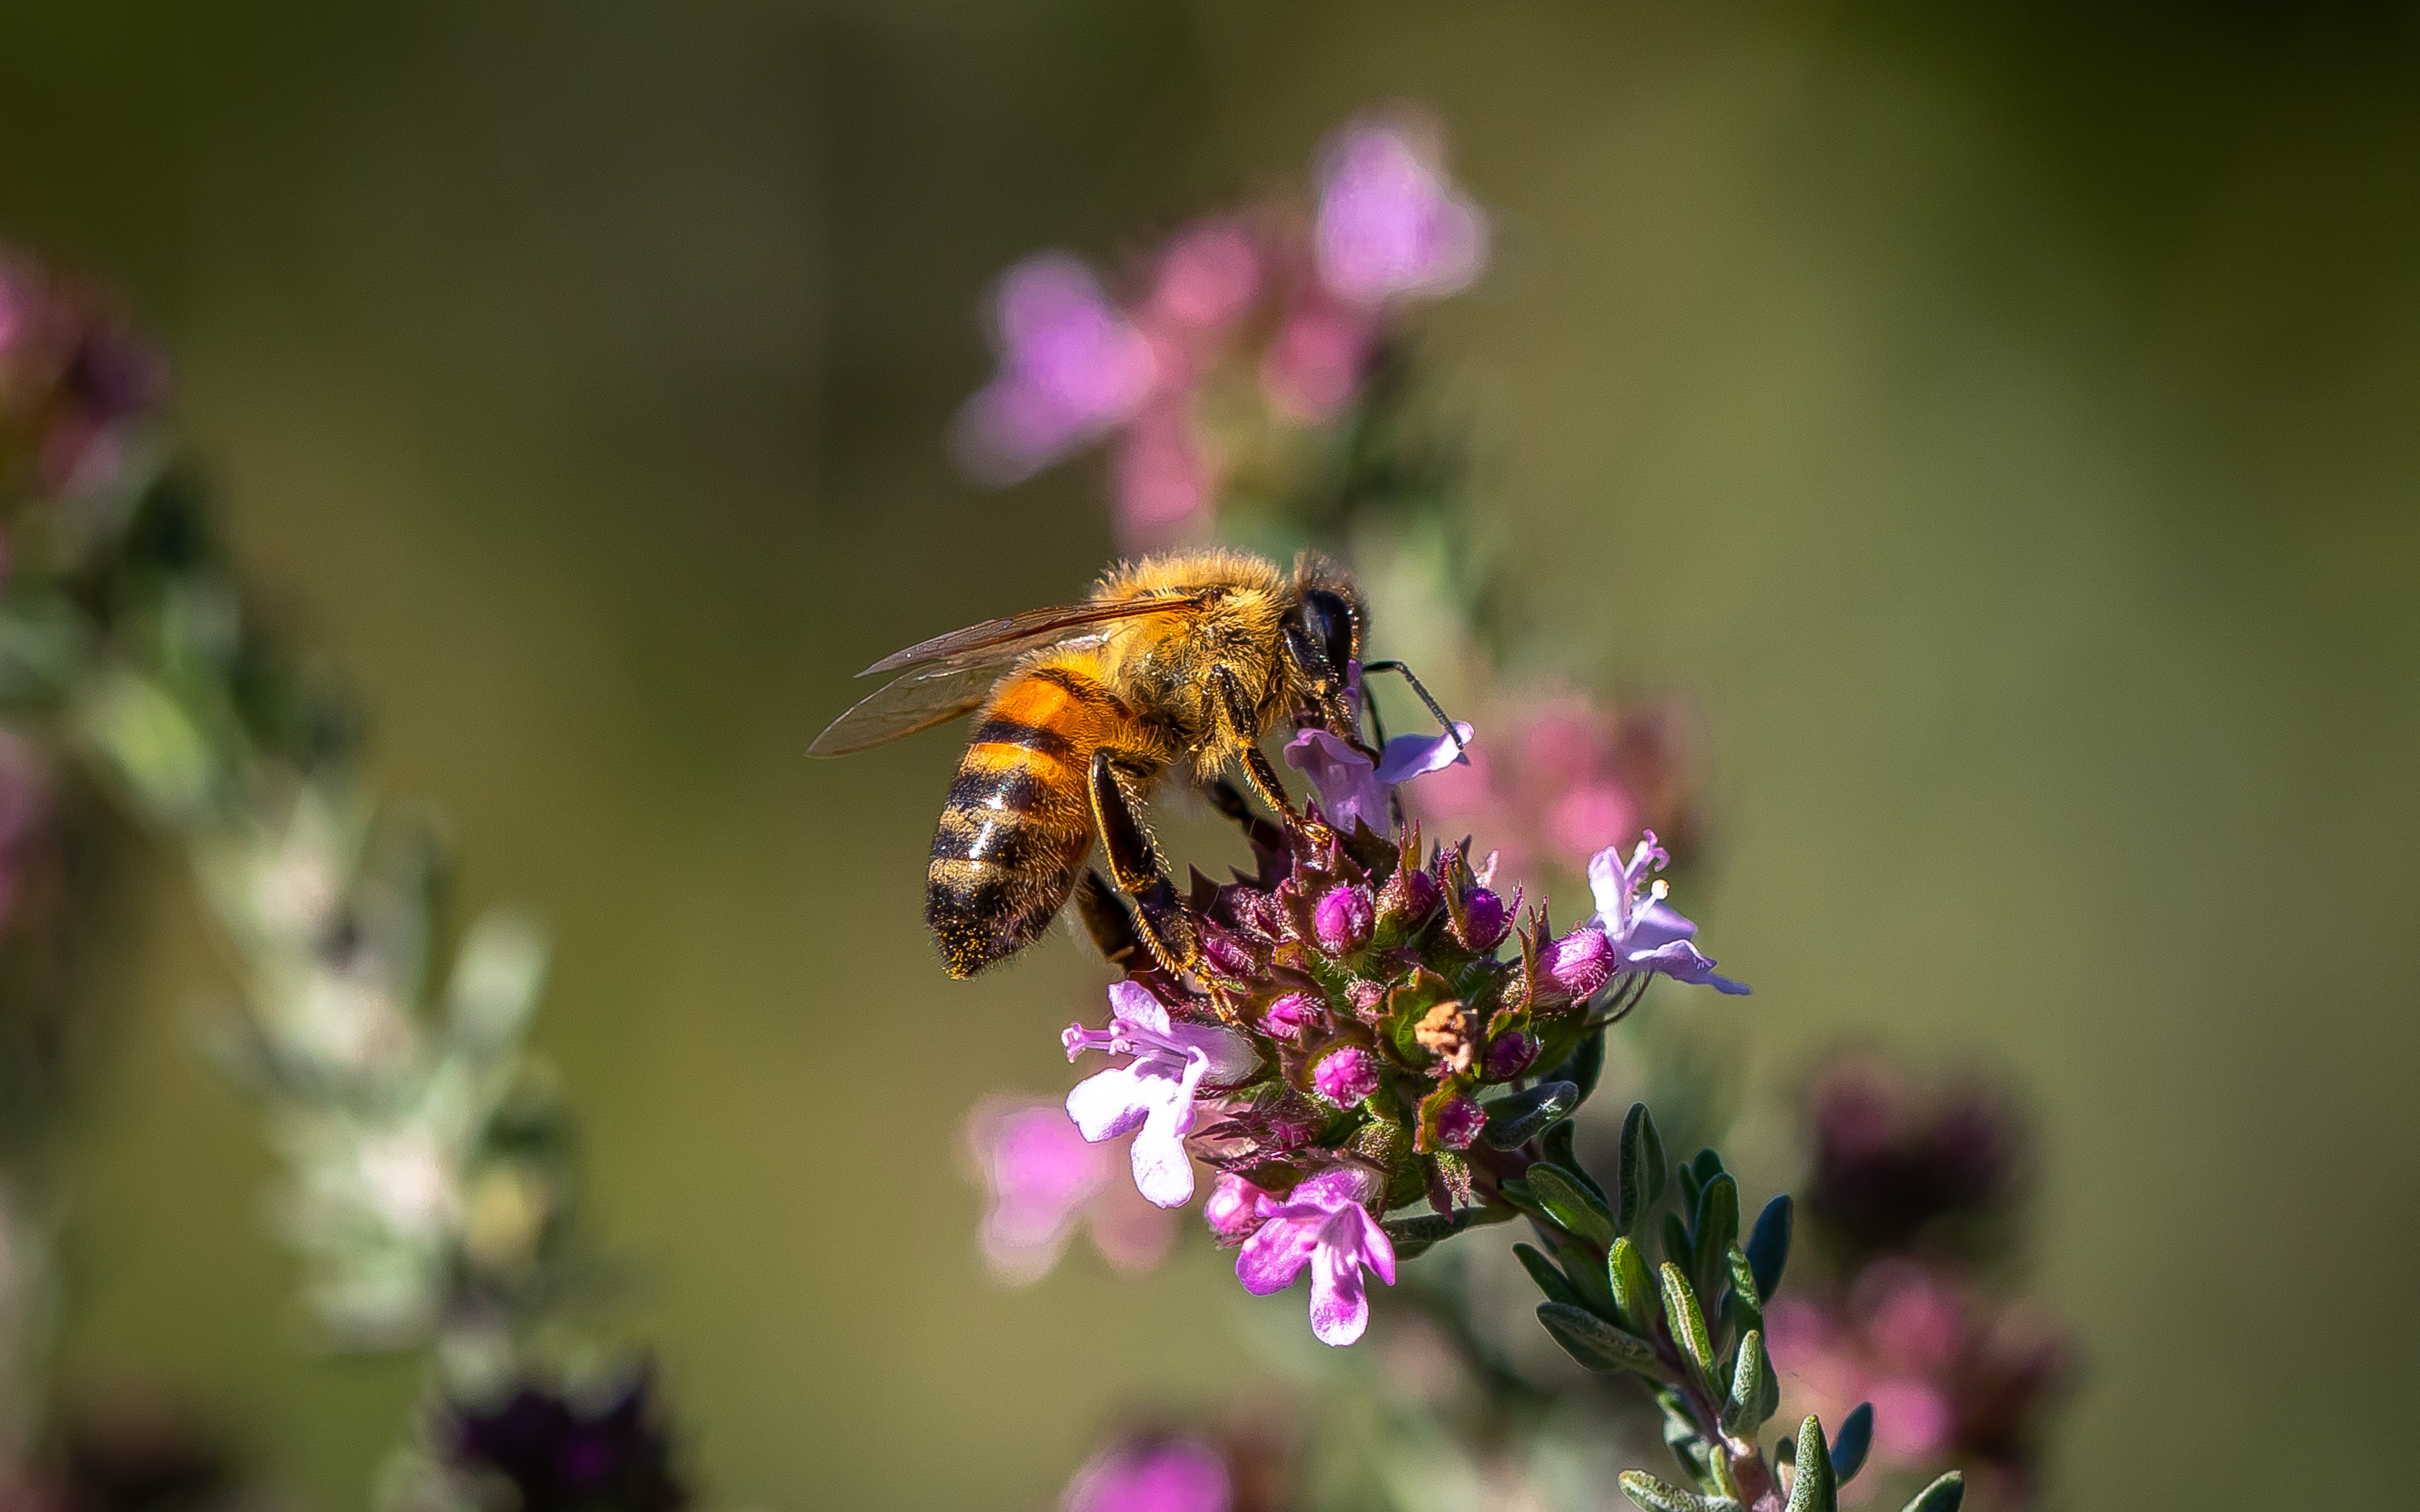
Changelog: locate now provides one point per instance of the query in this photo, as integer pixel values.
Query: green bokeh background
(2007, 421)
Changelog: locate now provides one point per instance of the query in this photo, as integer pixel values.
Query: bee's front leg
(1243, 725)
(1135, 865)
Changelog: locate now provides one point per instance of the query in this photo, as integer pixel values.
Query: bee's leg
(1106, 924)
(1257, 770)
(1159, 914)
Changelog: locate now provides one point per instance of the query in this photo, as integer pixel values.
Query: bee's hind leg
(1160, 918)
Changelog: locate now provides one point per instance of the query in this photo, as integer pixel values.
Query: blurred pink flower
(1391, 222)
(1166, 1475)
(1044, 1181)
(1315, 365)
(1159, 481)
(1209, 274)
(1072, 370)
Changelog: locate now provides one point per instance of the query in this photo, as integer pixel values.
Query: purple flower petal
(1339, 1309)
(1347, 780)
(1270, 1259)
(1108, 1103)
(1410, 756)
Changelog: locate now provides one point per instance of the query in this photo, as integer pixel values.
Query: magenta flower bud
(1509, 1055)
(1346, 1076)
(1290, 1015)
(1228, 956)
(1579, 964)
(1489, 919)
(1344, 919)
(1232, 1210)
(1368, 998)
(1410, 896)
(1458, 1123)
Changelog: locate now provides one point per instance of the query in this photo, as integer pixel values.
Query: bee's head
(1323, 636)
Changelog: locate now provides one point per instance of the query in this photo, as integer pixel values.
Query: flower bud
(1230, 957)
(1509, 1055)
(1489, 919)
(1409, 896)
(1232, 1210)
(1458, 1123)
(1290, 1014)
(1577, 964)
(1344, 919)
(1345, 1077)
(1368, 998)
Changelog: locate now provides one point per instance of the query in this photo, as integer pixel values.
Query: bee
(1175, 664)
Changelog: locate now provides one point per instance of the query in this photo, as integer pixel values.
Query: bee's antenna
(1406, 672)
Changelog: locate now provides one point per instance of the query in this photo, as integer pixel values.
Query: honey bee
(1177, 664)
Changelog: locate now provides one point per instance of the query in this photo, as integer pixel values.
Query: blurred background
(2001, 420)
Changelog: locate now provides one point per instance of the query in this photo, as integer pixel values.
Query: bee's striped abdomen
(1019, 822)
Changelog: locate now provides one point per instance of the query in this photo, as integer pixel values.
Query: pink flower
(1152, 1096)
(1072, 369)
(1323, 1223)
(1159, 480)
(1391, 222)
(1170, 1475)
(1352, 787)
(1209, 274)
(1648, 933)
(1233, 1208)
(1315, 362)
(1044, 1181)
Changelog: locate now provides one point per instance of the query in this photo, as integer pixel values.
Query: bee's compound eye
(1329, 620)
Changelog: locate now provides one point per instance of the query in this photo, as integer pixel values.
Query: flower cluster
(1236, 334)
(1362, 1008)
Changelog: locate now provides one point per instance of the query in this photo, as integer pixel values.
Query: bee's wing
(905, 705)
(995, 641)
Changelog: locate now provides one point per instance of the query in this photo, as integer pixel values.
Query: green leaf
(1689, 1187)
(1849, 1445)
(1514, 1122)
(1657, 1496)
(1941, 1496)
(1642, 1167)
(1569, 1203)
(1517, 1192)
(1677, 1250)
(1687, 1319)
(1633, 1289)
(1714, 1232)
(1745, 1299)
(1768, 1246)
(1585, 1064)
(1558, 1144)
(1656, 1163)
(1588, 1275)
(1811, 1489)
(1597, 1343)
(1742, 1409)
(1557, 1285)
(1709, 1165)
